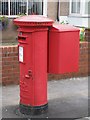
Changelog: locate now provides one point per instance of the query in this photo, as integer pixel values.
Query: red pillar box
(63, 49)
(32, 37)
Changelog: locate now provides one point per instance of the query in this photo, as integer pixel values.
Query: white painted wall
(63, 18)
(78, 21)
(89, 22)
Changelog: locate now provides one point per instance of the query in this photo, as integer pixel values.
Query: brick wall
(87, 35)
(64, 8)
(52, 10)
(10, 65)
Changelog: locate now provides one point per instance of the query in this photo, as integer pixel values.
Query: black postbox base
(34, 110)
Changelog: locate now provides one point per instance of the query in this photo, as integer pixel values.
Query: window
(75, 6)
(4, 7)
(16, 7)
(87, 7)
(80, 7)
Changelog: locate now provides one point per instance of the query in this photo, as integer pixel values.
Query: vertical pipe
(58, 10)
(42, 7)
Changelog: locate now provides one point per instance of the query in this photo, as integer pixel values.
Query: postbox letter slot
(21, 38)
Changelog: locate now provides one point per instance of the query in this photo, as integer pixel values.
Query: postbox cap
(63, 28)
(33, 20)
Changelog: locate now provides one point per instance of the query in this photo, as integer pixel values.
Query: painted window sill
(79, 16)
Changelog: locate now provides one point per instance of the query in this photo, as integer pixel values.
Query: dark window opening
(4, 8)
(19, 7)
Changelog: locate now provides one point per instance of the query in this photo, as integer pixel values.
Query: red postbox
(32, 37)
(63, 49)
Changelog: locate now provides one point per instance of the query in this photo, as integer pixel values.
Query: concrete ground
(67, 99)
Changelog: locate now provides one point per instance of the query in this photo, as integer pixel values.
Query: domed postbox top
(33, 20)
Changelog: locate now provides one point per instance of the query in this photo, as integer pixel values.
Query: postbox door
(26, 70)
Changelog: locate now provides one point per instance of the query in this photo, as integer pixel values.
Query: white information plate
(20, 54)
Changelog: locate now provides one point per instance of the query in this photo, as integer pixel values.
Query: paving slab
(66, 98)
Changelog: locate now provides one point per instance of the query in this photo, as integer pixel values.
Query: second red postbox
(63, 49)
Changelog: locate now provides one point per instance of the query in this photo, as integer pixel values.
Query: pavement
(66, 98)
